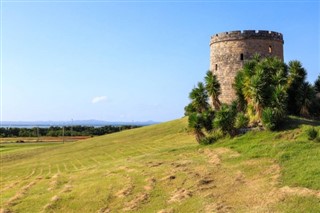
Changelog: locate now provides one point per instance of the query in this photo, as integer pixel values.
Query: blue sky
(130, 60)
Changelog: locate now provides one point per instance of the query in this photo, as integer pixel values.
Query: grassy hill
(161, 168)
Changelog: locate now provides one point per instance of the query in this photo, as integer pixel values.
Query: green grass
(13, 147)
(298, 157)
(295, 204)
(161, 167)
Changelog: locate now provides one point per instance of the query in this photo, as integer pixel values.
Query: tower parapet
(246, 34)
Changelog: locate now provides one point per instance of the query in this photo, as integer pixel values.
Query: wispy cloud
(98, 99)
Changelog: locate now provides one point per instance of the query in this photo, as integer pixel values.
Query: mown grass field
(42, 139)
(161, 168)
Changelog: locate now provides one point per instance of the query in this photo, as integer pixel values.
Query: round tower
(229, 50)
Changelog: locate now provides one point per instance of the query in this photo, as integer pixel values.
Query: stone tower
(229, 50)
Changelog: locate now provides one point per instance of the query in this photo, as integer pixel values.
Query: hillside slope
(161, 168)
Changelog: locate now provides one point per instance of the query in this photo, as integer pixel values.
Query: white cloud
(98, 99)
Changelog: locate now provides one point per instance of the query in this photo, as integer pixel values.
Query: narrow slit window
(216, 66)
(270, 49)
(241, 56)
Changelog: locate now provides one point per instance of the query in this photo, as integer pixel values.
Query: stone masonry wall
(229, 50)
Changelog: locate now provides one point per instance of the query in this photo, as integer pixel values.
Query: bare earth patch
(2, 210)
(54, 182)
(220, 207)
(179, 195)
(127, 190)
(154, 164)
(181, 163)
(9, 186)
(104, 210)
(300, 191)
(20, 194)
(136, 202)
(169, 177)
(150, 184)
(170, 210)
(67, 188)
(52, 203)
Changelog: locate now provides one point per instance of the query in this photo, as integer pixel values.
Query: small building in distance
(229, 50)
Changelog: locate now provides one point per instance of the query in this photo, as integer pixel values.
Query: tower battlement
(246, 34)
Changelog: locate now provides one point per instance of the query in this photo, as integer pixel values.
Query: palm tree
(213, 89)
(256, 91)
(261, 84)
(296, 79)
(251, 81)
(225, 118)
(195, 123)
(317, 85)
(297, 73)
(278, 102)
(256, 57)
(316, 101)
(306, 94)
(238, 86)
(199, 98)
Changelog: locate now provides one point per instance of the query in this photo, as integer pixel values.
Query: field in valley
(41, 139)
(161, 168)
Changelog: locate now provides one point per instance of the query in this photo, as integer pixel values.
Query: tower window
(241, 56)
(270, 49)
(216, 66)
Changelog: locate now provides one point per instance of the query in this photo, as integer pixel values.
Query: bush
(268, 119)
(224, 119)
(189, 109)
(207, 140)
(241, 120)
(212, 137)
(195, 123)
(207, 118)
(312, 133)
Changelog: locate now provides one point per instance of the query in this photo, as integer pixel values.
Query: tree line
(267, 90)
(55, 131)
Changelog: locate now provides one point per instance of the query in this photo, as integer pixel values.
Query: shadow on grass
(293, 122)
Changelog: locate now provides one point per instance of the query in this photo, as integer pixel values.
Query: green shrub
(207, 140)
(241, 120)
(224, 119)
(212, 137)
(268, 119)
(189, 109)
(312, 133)
(195, 123)
(207, 118)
